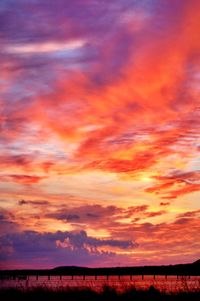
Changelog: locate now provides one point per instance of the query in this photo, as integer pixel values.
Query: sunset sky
(99, 132)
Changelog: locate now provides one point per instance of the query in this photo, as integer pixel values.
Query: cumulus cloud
(80, 240)
(63, 248)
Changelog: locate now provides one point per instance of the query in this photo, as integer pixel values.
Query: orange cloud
(176, 184)
(111, 120)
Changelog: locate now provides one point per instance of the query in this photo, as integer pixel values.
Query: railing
(96, 277)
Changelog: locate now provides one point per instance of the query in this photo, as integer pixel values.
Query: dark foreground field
(107, 294)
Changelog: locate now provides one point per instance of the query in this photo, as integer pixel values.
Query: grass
(87, 294)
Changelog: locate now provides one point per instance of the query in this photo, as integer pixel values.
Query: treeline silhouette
(192, 269)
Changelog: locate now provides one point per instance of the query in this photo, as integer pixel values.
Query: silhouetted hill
(197, 262)
(71, 268)
(178, 269)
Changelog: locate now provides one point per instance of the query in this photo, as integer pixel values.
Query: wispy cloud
(46, 47)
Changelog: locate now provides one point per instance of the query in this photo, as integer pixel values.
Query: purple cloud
(59, 248)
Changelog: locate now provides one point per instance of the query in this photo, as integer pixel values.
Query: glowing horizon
(100, 140)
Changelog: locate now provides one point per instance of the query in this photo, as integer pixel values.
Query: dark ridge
(73, 267)
(197, 262)
(178, 269)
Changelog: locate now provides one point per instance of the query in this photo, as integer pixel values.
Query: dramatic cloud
(99, 126)
(67, 248)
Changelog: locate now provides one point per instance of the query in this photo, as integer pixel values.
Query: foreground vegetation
(86, 294)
